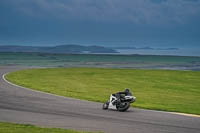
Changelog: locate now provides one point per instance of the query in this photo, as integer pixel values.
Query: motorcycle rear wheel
(123, 106)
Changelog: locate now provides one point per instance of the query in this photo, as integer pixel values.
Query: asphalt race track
(20, 105)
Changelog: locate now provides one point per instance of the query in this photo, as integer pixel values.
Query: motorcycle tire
(123, 106)
(105, 105)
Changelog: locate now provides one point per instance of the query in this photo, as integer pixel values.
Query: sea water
(178, 52)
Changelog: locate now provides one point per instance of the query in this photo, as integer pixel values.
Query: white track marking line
(34, 90)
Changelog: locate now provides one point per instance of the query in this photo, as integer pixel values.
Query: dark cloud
(192, 0)
(135, 11)
(159, 1)
(99, 20)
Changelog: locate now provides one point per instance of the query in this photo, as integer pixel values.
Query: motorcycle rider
(120, 95)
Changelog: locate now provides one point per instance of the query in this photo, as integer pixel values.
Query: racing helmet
(127, 90)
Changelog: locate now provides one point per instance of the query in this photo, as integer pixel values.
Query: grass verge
(166, 90)
(26, 128)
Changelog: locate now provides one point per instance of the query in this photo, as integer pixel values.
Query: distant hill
(68, 49)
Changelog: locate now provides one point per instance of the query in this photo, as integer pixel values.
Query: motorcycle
(122, 104)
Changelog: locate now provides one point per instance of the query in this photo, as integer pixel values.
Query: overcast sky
(156, 23)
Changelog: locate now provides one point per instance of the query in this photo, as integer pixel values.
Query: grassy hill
(155, 89)
(99, 60)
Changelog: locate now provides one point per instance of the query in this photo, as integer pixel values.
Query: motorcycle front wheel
(123, 106)
(105, 105)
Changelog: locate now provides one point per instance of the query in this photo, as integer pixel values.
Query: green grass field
(21, 128)
(167, 90)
